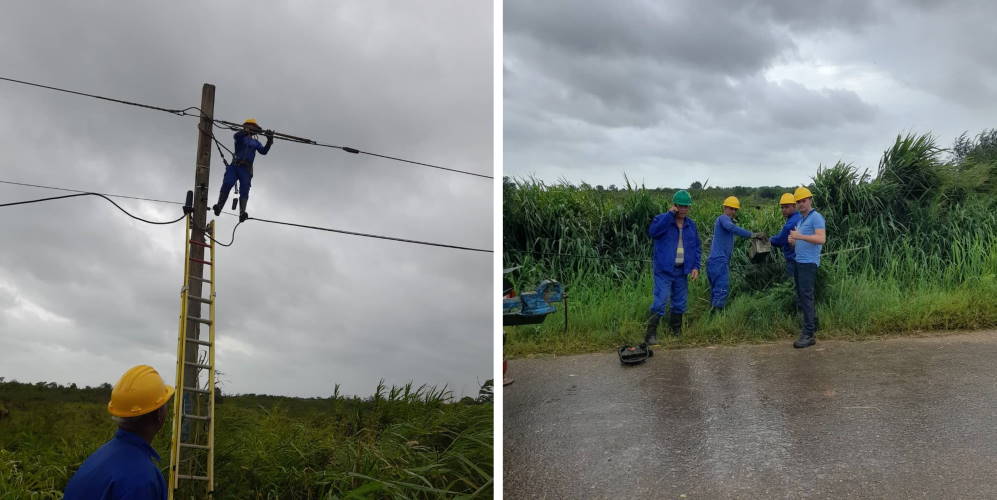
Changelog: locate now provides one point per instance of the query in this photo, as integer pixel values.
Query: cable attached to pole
(93, 194)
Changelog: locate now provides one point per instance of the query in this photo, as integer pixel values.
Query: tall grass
(402, 442)
(913, 248)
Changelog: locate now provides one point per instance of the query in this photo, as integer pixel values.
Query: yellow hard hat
(250, 121)
(139, 391)
(787, 199)
(732, 202)
(802, 193)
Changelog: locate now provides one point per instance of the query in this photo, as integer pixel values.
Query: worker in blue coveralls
(241, 168)
(124, 468)
(718, 264)
(808, 238)
(676, 255)
(787, 203)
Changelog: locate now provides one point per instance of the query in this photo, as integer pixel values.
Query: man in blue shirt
(241, 168)
(788, 206)
(718, 264)
(676, 255)
(123, 468)
(808, 238)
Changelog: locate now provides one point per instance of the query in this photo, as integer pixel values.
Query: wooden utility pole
(202, 170)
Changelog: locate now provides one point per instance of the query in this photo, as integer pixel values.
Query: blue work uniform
(718, 264)
(670, 282)
(122, 468)
(781, 241)
(241, 168)
(807, 260)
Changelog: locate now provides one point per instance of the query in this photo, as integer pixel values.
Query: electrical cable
(179, 112)
(81, 191)
(235, 126)
(93, 194)
(368, 235)
(319, 228)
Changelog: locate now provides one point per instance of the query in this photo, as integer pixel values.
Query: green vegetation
(402, 442)
(913, 248)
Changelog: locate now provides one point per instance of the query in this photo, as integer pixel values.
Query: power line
(179, 112)
(236, 126)
(368, 235)
(318, 228)
(93, 194)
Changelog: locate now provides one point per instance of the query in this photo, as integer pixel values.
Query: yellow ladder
(192, 451)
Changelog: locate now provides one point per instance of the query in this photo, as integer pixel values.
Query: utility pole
(202, 170)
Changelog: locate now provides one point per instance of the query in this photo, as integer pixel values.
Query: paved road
(896, 418)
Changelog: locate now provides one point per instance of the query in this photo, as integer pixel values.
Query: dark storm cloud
(93, 291)
(676, 91)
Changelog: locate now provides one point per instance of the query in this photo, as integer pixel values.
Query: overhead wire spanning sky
(741, 92)
(86, 293)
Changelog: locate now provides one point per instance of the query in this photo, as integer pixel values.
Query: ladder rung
(199, 341)
(202, 280)
(201, 478)
(199, 320)
(200, 244)
(195, 389)
(199, 299)
(201, 261)
(198, 446)
(206, 367)
(197, 417)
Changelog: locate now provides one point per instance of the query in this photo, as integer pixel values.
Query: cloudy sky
(740, 92)
(86, 292)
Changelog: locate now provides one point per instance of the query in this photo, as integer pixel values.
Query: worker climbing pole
(241, 167)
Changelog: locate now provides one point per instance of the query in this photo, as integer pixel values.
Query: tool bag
(634, 355)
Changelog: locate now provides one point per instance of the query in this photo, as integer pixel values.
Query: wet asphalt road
(895, 418)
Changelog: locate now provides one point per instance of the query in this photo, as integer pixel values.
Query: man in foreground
(123, 468)
(808, 238)
(676, 255)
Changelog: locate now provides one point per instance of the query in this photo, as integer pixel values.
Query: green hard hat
(682, 198)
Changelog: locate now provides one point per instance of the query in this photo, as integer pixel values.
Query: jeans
(806, 281)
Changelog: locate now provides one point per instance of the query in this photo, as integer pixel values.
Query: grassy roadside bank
(602, 319)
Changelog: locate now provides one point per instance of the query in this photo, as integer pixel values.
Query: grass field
(912, 248)
(402, 442)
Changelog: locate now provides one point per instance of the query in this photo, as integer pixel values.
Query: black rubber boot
(805, 341)
(217, 208)
(651, 336)
(242, 209)
(675, 321)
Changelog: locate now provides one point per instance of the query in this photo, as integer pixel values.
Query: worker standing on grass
(123, 468)
(787, 203)
(676, 255)
(808, 238)
(241, 168)
(718, 264)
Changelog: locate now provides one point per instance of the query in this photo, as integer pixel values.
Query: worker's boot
(675, 321)
(242, 209)
(805, 340)
(651, 336)
(217, 208)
